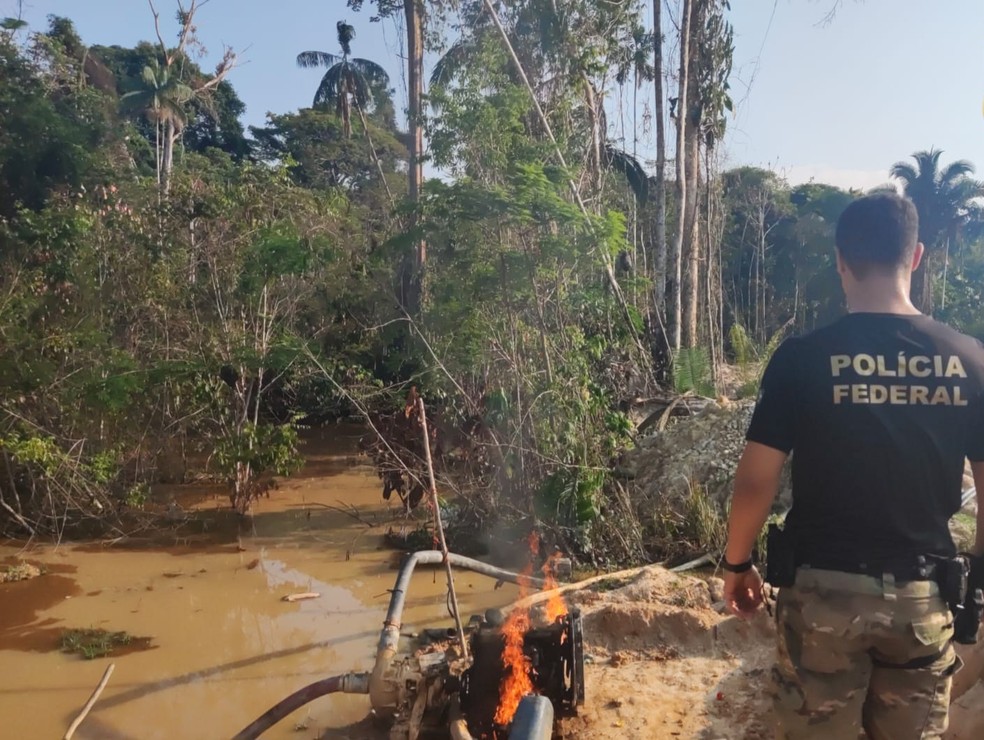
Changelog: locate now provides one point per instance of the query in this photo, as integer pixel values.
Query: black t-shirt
(880, 411)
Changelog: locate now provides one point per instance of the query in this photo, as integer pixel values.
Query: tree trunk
(691, 244)
(921, 293)
(170, 138)
(591, 101)
(676, 257)
(157, 148)
(659, 259)
(413, 282)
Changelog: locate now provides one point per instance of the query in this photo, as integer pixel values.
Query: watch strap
(736, 567)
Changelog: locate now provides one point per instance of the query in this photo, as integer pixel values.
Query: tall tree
(161, 97)
(659, 260)
(711, 53)
(676, 257)
(349, 81)
(944, 197)
(414, 11)
(414, 21)
(170, 71)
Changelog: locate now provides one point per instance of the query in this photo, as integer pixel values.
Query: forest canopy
(172, 283)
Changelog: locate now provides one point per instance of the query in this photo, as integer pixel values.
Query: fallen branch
(88, 705)
(301, 597)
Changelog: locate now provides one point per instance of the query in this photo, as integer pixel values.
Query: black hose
(349, 683)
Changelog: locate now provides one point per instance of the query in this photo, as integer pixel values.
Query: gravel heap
(700, 450)
(703, 451)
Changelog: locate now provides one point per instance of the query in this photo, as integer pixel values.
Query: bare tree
(676, 258)
(173, 125)
(659, 295)
(415, 83)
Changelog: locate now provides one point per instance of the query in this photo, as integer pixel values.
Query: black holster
(969, 610)
(780, 557)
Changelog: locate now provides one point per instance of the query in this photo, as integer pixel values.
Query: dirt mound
(664, 662)
(693, 452)
(699, 454)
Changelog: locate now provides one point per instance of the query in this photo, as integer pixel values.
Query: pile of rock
(694, 451)
(701, 452)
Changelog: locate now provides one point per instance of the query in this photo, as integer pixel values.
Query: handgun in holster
(780, 558)
(969, 611)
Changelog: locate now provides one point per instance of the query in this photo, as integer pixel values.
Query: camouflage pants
(840, 639)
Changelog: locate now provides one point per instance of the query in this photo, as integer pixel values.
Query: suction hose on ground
(349, 683)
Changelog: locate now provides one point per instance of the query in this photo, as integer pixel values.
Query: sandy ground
(664, 662)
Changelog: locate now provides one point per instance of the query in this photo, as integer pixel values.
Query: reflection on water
(227, 645)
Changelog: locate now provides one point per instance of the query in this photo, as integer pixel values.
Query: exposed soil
(665, 663)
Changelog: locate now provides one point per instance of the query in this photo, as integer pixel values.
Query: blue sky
(839, 102)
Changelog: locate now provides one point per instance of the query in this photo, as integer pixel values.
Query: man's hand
(743, 593)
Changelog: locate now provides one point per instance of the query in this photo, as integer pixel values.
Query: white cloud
(842, 178)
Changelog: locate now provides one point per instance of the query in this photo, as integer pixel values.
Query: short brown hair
(879, 233)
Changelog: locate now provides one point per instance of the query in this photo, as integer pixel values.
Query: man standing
(880, 410)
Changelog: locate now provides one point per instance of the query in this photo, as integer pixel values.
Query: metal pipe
(349, 683)
(457, 726)
(384, 693)
(533, 719)
(969, 495)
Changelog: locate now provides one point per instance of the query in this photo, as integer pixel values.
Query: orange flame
(517, 681)
(556, 607)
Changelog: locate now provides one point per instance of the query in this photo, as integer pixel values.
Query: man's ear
(842, 267)
(917, 255)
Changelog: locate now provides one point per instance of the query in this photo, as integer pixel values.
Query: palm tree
(162, 97)
(944, 198)
(348, 79)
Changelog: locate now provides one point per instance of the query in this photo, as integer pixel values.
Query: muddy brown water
(223, 647)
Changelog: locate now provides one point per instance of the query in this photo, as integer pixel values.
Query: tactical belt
(912, 665)
(902, 574)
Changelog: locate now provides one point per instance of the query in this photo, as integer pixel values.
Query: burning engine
(436, 683)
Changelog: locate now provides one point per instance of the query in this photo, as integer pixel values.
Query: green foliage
(693, 526)
(571, 497)
(41, 452)
(93, 643)
(692, 372)
(752, 359)
(741, 346)
(137, 496)
(248, 453)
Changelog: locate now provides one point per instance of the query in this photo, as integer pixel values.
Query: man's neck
(878, 295)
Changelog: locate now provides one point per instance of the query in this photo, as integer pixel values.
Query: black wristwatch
(739, 568)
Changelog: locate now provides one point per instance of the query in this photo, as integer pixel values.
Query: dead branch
(157, 30)
(439, 526)
(349, 511)
(89, 704)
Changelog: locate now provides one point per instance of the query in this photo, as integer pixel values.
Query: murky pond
(224, 646)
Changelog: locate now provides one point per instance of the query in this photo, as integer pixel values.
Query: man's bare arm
(978, 470)
(756, 486)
